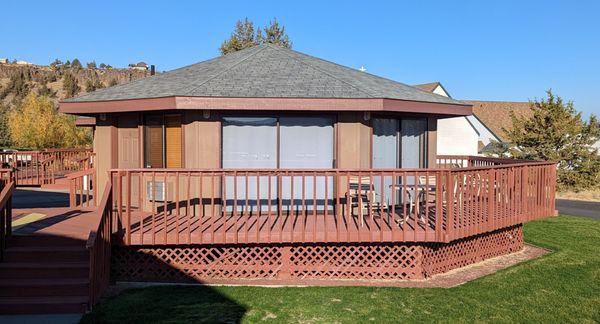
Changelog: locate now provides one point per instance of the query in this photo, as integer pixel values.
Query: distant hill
(16, 81)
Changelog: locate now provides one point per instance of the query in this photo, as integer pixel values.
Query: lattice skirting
(287, 264)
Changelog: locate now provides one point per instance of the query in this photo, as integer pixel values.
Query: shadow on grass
(173, 304)
(159, 304)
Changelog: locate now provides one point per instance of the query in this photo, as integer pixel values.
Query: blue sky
(488, 50)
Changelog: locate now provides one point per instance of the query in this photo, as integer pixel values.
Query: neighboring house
(456, 136)
(491, 117)
(139, 66)
(3, 61)
(23, 63)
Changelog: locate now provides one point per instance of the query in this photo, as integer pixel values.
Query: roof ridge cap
(281, 49)
(194, 87)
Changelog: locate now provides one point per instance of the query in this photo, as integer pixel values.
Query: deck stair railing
(7, 187)
(99, 247)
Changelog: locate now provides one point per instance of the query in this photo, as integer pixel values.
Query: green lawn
(560, 287)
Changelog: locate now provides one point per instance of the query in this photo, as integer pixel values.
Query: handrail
(36, 168)
(5, 215)
(434, 205)
(99, 247)
(82, 188)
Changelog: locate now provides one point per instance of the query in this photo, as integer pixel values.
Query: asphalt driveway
(578, 208)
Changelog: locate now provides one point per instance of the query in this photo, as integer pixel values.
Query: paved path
(578, 208)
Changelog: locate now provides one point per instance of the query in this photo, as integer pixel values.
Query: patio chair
(363, 198)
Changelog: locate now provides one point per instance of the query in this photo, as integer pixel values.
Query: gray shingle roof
(264, 71)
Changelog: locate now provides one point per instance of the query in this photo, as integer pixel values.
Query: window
(399, 142)
(163, 141)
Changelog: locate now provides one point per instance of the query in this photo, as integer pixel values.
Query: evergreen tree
(70, 85)
(76, 64)
(4, 131)
(275, 34)
(91, 65)
(44, 90)
(242, 37)
(17, 85)
(557, 132)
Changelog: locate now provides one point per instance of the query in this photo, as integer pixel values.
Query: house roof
(265, 71)
(495, 115)
(429, 87)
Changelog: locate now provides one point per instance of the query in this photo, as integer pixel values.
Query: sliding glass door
(397, 143)
(249, 143)
(306, 143)
(271, 143)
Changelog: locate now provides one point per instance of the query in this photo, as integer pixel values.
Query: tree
(274, 34)
(17, 85)
(37, 124)
(44, 90)
(557, 132)
(70, 85)
(93, 85)
(4, 131)
(91, 65)
(102, 66)
(244, 36)
(76, 64)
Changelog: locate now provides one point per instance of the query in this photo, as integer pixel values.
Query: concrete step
(49, 254)
(43, 287)
(43, 270)
(43, 305)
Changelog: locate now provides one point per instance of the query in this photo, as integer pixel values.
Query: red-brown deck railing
(166, 206)
(82, 188)
(99, 247)
(35, 168)
(6, 190)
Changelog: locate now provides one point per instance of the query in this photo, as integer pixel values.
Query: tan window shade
(173, 141)
(153, 147)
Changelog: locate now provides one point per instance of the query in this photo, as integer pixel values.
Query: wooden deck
(227, 228)
(58, 222)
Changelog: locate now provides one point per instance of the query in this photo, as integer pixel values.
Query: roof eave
(266, 104)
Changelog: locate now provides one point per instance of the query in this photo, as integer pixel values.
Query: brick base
(297, 263)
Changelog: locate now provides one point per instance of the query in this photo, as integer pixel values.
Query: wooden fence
(36, 168)
(188, 206)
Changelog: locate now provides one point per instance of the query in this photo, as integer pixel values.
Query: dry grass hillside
(36, 77)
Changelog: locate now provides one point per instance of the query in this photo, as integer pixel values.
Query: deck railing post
(450, 231)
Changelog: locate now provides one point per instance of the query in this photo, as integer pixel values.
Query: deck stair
(43, 274)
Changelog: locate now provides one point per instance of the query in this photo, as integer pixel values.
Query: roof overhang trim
(265, 104)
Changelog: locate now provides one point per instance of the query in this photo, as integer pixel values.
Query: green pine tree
(275, 34)
(242, 37)
(4, 130)
(70, 85)
(557, 132)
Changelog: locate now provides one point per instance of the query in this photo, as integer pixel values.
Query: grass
(587, 195)
(563, 286)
